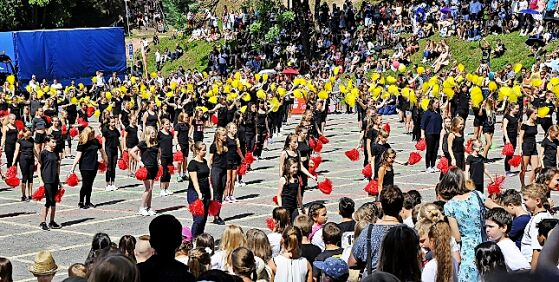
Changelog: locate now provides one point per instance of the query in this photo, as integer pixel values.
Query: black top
(166, 144)
(347, 226)
(549, 152)
(530, 132)
(39, 123)
(377, 151)
(218, 160)
(476, 168)
(148, 154)
(488, 120)
(512, 125)
(458, 145)
(182, 129)
(372, 134)
(125, 118)
(304, 149)
(388, 179)
(26, 147)
(11, 137)
(111, 139)
(289, 193)
(151, 120)
(89, 160)
(203, 172)
(222, 116)
(231, 150)
(49, 166)
(132, 135)
(159, 269)
(310, 251)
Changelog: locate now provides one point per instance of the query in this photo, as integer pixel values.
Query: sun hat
(43, 264)
(333, 267)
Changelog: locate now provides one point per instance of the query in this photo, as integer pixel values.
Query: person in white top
(443, 264)
(497, 224)
(535, 198)
(289, 265)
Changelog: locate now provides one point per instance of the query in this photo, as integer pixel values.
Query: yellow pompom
(323, 95)
(157, 102)
(355, 91)
(393, 89)
(275, 104)
(152, 89)
(537, 82)
(342, 88)
(492, 86)
(204, 109)
(390, 79)
(169, 94)
(350, 100)
(405, 92)
(173, 85)
(153, 75)
(40, 94)
(11, 79)
(273, 86)
(555, 91)
(108, 95)
(146, 95)
(297, 93)
(97, 113)
(517, 68)
(237, 76)
(281, 91)
(257, 77)
(402, 68)
(265, 77)
(260, 94)
(133, 79)
(448, 92)
(226, 88)
(480, 80)
(350, 84)
(420, 70)
(205, 74)
(425, 104)
(413, 98)
(109, 108)
(375, 76)
(94, 79)
(232, 96)
(460, 67)
(246, 97)
(131, 104)
(475, 96)
(504, 92)
(435, 90)
(336, 70)
(189, 88)
(28, 88)
(243, 109)
(74, 100)
(328, 86)
(543, 112)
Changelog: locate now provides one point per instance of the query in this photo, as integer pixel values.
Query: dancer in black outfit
(289, 189)
(251, 129)
(527, 137)
(56, 131)
(165, 139)
(510, 131)
(234, 158)
(25, 155)
(182, 129)
(456, 143)
(111, 145)
(431, 126)
(131, 140)
(9, 138)
(87, 157)
(305, 152)
(218, 163)
(199, 186)
(146, 154)
(261, 129)
(49, 177)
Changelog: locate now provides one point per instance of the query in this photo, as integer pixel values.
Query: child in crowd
(535, 201)
(205, 241)
(497, 224)
(489, 259)
(544, 227)
(232, 238)
(475, 166)
(289, 265)
(442, 267)
(411, 199)
(346, 207)
(281, 219)
(511, 201)
(76, 270)
(308, 250)
(332, 235)
(319, 216)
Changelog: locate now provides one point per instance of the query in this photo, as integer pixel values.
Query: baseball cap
(333, 267)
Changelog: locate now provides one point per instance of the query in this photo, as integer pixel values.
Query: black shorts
(232, 165)
(489, 129)
(529, 149)
(152, 172)
(40, 138)
(477, 122)
(131, 144)
(185, 148)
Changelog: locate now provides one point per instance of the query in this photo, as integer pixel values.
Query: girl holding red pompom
(146, 154)
(290, 151)
(9, 138)
(182, 129)
(217, 160)
(25, 155)
(289, 189)
(199, 186)
(165, 140)
(475, 166)
(456, 143)
(386, 170)
(510, 131)
(305, 152)
(87, 157)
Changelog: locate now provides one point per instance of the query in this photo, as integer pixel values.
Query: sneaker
(114, 187)
(109, 188)
(428, 170)
(29, 199)
(218, 221)
(89, 206)
(23, 198)
(162, 193)
(242, 183)
(143, 212)
(44, 226)
(151, 212)
(510, 174)
(237, 184)
(54, 225)
(81, 205)
(168, 192)
(226, 199)
(179, 179)
(435, 169)
(232, 199)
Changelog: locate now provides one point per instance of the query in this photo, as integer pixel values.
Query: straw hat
(43, 264)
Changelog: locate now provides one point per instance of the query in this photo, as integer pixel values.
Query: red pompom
(386, 128)
(178, 156)
(64, 129)
(122, 164)
(196, 208)
(142, 173)
(352, 154)
(72, 180)
(420, 145)
(171, 169)
(316, 160)
(74, 132)
(82, 123)
(19, 125)
(515, 161)
(90, 111)
(249, 158)
(4, 113)
(323, 139)
(372, 188)
(508, 150)
(39, 194)
(242, 170)
(494, 188)
(102, 166)
(312, 142)
(270, 223)
(367, 171)
(468, 148)
(275, 200)
(325, 186)
(13, 181)
(414, 158)
(318, 147)
(214, 119)
(125, 156)
(47, 119)
(159, 173)
(214, 208)
(442, 165)
(11, 172)
(59, 195)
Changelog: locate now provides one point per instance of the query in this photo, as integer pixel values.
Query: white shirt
(292, 270)
(317, 240)
(513, 257)
(157, 57)
(218, 261)
(429, 273)
(275, 243)
(529, 241)
(409, 222)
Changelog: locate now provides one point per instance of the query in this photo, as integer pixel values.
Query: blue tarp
(66, 55)
(7, 43)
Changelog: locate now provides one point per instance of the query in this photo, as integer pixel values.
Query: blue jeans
(199, 223)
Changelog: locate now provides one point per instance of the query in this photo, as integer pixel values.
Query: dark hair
(198, 261)
(546, 225)
(303, 222)
(332, 234)
(115, 268)
(205, 240)
(546, 174)
(48, 138)
(5, 270)
(489, 258)
(126, 246)
(440, 205)
(413, 198)
(281, 216)
(346, 207)
(510, 197)
(218, 276)
(529, 112)
(452, 184)
(399, 253)
(314, 208)
(391, 200)
(100, 241)
(243, 263)
(500, 216)
(165, 234)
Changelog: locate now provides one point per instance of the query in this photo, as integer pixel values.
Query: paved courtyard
(116, 212)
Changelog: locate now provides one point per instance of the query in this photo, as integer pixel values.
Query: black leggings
(219, 179)
(10, 151)
(250, 139)
(88, 176)
(112, 158)
(513, 142)
(50, 192)
(165, 163)
(432, 141)
(27, 167)
(260, 143)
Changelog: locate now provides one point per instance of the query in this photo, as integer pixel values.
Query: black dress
(458, 151)
(529, 140)
(166, 145)
(149, 158)
(132, 137)
(232, 155)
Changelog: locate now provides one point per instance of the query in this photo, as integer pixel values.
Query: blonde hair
(259, 244)
(429, 214)
(454, 124)
(147, 136)
(536, 191)
(199, 261)
(439, 234)
(553, 131)
(220, 147)
(197, 147)
(85, 135)
(232, 238)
